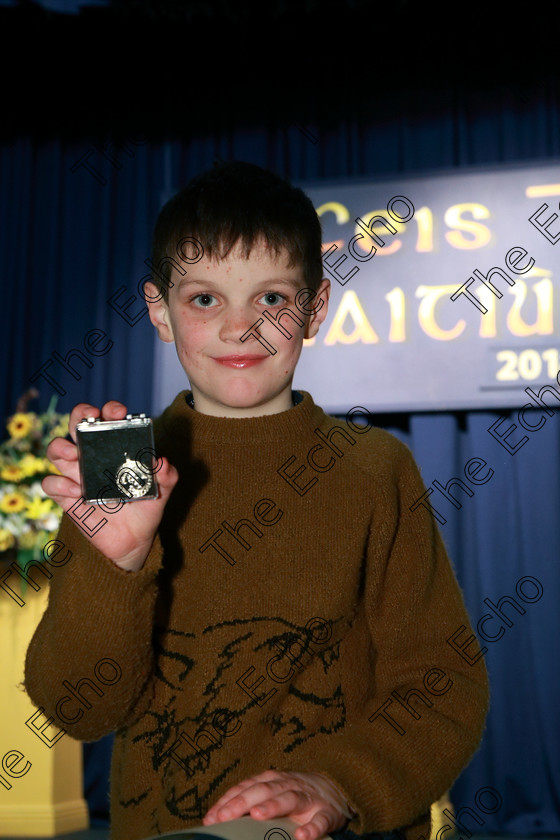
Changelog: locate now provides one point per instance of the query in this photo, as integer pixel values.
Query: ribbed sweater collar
(180, 419)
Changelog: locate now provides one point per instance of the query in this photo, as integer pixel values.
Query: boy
(278, 616)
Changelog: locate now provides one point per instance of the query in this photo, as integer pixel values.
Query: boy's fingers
(269, 799)
(61, 449)
(64, 456)
(318, 826)
(68, 472)
(166, 478)
(167, 474)
(289, 802)
(59, 488)
(227, 797)
(77, 415)
(112, 410)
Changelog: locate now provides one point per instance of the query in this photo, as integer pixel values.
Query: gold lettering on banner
(342, 216)
(396, 301)
(542, 190)
(426, 312)
(480, 233)
(363, 331)
(425, 220)
(543, 290)
(341, 212)
(465, 234)
(380, 231)
(488, 299)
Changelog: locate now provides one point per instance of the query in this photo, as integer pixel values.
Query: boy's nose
(237, 324)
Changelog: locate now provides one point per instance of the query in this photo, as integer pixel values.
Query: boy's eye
(273, 295)
(205, 299)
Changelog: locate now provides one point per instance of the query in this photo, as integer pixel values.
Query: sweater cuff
(102, 573)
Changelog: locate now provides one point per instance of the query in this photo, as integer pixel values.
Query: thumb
(167, 477)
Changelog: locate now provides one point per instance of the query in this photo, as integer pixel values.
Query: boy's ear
(158, 311)
(321, 306)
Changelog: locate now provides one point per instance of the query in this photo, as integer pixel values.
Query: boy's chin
(240, 398)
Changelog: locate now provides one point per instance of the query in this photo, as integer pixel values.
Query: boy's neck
(296, 399)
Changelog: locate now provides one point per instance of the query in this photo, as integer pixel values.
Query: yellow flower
(20, 425)
(28, 539)
(30, 465)
(61, 429)
(50, 467)
(12, 472)
(37, 508)
(13, 503)
(7, 539)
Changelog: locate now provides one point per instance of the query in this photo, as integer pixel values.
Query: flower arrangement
(28, 517)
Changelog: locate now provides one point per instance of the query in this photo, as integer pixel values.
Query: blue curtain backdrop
(76, 232)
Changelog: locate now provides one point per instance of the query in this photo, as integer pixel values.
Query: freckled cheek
(281, 341)
(289, 347)
(194, 336)
(190, 348)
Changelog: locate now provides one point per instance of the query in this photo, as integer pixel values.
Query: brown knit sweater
(289, 603)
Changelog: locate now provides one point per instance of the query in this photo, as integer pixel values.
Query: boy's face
(213, 304)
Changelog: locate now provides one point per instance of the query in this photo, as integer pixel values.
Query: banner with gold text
(444, 293)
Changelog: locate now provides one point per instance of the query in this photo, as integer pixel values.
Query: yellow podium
(439, 819)
(40, 773)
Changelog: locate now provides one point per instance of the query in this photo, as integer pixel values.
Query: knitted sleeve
(426, 703)
(91, 655)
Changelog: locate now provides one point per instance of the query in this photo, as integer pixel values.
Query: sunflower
(20, 425)
(30, 465)
(12, 472)
(13, 503)
(7, 539)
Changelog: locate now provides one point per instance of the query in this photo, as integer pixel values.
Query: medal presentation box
(115, 459)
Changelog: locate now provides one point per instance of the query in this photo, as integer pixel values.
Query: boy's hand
(307, 798)
(127, 536)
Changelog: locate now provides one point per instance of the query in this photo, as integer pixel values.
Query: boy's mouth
(240, 361)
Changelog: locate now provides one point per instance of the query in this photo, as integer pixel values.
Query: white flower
(16, 524)
(49, 523)
(35, 489)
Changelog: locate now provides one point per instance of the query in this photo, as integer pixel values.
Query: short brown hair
(238, 201)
